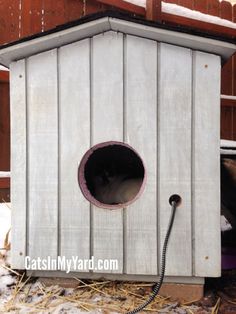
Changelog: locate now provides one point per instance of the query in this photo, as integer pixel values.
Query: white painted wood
(124, 277)
(89, 29)
(141, 134)
(174, 128)
(74, 89)
(221, 48)
(180, 147)
(206, 166)
(42, 154)
(18, 164)
(107, 125)
(55, 40)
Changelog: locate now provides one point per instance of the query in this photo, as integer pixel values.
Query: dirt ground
(223, 289)
(20, 294)
(27, 295)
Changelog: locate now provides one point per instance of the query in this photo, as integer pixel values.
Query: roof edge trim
(195, 42)
(36, 45)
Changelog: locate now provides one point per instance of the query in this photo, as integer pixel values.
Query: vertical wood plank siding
(107, 124)
(206, 167)
(74, 141)
(42, 133)
(141, 133)
(122, 88)
(18, 164)
(175, 153)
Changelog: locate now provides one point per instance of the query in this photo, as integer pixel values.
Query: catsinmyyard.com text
(74, 263)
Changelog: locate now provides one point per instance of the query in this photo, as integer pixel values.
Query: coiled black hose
(163, 263)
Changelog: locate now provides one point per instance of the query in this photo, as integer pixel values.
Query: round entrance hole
(111, 175)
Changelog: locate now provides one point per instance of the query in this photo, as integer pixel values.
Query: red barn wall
(4, 134)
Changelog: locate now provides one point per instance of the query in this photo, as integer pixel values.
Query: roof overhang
(91, 27)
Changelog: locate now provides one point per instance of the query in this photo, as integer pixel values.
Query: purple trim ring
(83, 184)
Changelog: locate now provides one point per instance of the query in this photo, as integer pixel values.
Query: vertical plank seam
(11, 162)
(27, 151)
(125, 140)
(219, 166)
(91, 214)
(232, 74)
(193, 160)
(232, 123)
(232, 57)
(59, 154)
(158, 233)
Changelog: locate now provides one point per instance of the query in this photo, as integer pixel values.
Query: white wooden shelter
(112, 78)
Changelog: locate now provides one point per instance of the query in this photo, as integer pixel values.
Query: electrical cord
(158, 285)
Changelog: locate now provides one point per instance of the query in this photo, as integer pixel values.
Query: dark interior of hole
(175, 198)
(228, 206)
(111, 163)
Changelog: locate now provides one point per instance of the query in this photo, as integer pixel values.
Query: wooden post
(124, 5)
(153, 10)
(227, 70)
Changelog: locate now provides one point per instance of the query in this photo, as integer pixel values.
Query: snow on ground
(175, 9)
(224, 224)
(20, 297)
(20, 294)
(116, 298)
(6, 279)
(5, 221)
(35, 298)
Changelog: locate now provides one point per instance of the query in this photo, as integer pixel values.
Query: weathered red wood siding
(23, 18)
(4, 134)
(228, 107)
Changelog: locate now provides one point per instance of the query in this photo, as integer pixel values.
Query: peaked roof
(97, 23)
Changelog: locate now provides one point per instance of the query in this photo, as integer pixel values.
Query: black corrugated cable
(158, 285)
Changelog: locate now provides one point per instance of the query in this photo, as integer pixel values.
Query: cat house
(110, 117)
